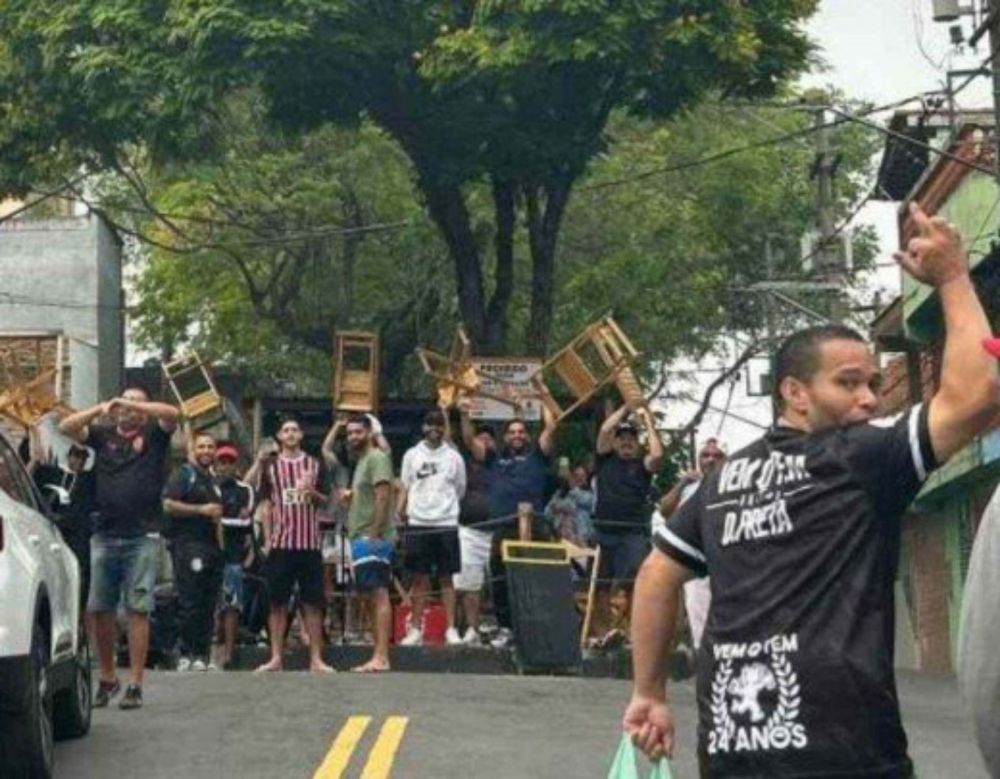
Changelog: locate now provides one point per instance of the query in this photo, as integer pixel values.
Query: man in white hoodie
(433, 477)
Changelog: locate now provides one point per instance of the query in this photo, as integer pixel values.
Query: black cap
(627, 428)
(434, 417)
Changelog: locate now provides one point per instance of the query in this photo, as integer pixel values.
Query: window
(13, 478)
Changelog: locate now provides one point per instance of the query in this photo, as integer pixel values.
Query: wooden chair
(27, 402)
(455, 374)
(575, 552)
(191, 384)
(582, 378)
(355, 389)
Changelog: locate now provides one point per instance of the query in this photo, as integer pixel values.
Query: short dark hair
(360, 419)
(514, 421)
(135, 384)
(284, 419)
(485, 427)
(798, 356)
(434, 417)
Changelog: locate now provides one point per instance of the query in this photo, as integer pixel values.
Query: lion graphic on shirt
(747, 687)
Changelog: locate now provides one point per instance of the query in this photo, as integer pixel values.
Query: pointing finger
(919, 216)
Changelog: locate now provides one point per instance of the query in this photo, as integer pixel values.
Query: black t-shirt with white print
(800, 536)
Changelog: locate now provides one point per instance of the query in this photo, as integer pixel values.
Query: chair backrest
(191, 384)
(355, 375)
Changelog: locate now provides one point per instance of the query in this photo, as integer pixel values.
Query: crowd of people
(346, 522)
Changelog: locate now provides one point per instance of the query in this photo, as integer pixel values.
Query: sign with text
(507, 377)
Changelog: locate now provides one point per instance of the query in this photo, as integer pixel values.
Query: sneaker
(503, 638)
(413, 637)
(184, 664)
(471, 638)
(132, 698)
(105, 692)
(198, 665)
(211, 666)
(451, 637)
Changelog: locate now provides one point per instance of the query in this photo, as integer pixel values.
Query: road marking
(383, 754)
(343, 747)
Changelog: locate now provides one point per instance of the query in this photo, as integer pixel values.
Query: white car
(45, 674)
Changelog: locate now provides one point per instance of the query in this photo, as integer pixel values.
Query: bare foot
(373, 666)
(274, 664)
(319, 667)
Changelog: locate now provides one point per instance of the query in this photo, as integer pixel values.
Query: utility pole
(828, 260)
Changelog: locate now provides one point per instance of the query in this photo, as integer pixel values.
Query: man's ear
(795, 394)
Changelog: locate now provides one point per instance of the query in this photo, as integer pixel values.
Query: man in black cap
(71, 490)
(624, 474)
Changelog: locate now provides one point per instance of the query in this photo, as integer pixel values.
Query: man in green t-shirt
(372, 533)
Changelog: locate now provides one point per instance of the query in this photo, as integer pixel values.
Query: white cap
(376, 425)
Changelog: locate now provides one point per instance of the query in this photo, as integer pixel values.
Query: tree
(514, 95)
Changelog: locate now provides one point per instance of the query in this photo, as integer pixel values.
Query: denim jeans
(123, 566)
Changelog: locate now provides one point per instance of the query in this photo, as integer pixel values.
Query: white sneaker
(211, 666)
(471, 638)
(413, 637)
(184, 664)
(198, 665)
(504, 638)
(451, 637)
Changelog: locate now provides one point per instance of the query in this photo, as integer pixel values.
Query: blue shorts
(123, 566)
(372, 563)
(232, 587)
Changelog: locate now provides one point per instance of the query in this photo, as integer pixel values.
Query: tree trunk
(543, 234)
(448, 210)
(495, 337)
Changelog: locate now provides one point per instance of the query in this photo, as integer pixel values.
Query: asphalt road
(421, 725)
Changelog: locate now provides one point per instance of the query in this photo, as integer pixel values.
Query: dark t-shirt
(475, 507)
(622, 495)
(190, 484)
(800, 537)
(237, 530)
(131, 471)
(516, 478)
(77, 516)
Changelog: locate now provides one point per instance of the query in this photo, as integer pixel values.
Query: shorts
(430, 550)
(475, 553)
(288, 567)
(123, 567)
(621, 555)
(373, 564)
(232, 587)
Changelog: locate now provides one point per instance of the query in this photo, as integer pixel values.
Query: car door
(46, 542)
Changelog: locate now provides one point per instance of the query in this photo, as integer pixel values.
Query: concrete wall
(64, 275)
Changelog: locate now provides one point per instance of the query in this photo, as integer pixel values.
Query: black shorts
(288, 567)
(431, 550)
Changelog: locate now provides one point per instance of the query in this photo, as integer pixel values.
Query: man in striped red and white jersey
(292, 488)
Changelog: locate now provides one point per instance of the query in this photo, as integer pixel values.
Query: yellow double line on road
(381, 757)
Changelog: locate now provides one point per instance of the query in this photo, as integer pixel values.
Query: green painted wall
(975, 209)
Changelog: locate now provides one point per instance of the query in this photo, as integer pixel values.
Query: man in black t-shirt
(622, 515)
(131, 463)
(800, 534)
(193, 502)
(237, 541)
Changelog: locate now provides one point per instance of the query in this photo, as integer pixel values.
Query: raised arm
(328, 448)
(648, 719)
(654, 457)
(547, 438)
(75, 425)
(606, 434)
(163, 413)
(475, 447)
(968, 397)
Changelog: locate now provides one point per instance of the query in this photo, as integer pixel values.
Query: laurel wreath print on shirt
(756, 698)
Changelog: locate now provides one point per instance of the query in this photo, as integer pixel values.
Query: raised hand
(935, 255)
